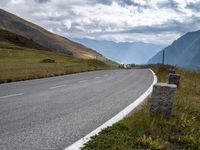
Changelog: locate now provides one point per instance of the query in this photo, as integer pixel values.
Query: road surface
(53, 113)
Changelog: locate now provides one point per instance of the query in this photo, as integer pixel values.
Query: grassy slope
(56, 43)
(140, 131)
(12, 41)
(18, 63)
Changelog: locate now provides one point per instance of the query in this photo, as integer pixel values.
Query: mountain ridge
(183, 52)
(56, 43)
(124, 52)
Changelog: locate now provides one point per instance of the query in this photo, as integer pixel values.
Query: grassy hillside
(11, 40)
(141, 131)
(56, 43)
(18, 63)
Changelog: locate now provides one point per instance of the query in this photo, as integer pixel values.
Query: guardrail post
(174, 79)
(163, 98)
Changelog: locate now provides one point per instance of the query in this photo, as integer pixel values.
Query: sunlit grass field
(141, 131)
(17, 63)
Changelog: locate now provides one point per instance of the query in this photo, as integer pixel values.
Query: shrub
(48, 61)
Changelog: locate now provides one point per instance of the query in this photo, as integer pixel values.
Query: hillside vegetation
(20, 59)
(141, 131)
(23, 64)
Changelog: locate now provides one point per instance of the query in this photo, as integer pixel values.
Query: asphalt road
(53, 113)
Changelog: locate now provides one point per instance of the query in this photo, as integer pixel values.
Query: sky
(150, 21)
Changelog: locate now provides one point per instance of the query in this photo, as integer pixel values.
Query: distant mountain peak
(124, 52)
(183, 52)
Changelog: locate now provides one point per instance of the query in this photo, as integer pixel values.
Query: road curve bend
(53, 113)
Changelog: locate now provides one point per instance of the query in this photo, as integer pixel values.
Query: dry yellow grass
(22, 64)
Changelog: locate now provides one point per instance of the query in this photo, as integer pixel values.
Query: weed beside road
(141, 131)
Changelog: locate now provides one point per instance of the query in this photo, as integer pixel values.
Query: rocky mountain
(184, 52)
(124, 52)
(14, 24)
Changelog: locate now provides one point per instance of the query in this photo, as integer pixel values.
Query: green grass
(141, 131)
(18, 63)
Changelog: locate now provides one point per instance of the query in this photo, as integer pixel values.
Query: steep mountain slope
(9, 40)
(44, 38)
(124, 52)
(184, 52)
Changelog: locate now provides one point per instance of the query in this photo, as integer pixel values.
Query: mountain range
(123, 52)
(183, 52)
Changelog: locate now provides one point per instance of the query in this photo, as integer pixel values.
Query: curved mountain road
(53, 113)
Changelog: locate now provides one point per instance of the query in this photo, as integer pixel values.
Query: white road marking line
(97, 77)
(59, 86)
(83, 81)
(80, 143)
(13, 95)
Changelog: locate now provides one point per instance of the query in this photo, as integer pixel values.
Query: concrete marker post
(174, 79)
(163, 98)
(173, 71)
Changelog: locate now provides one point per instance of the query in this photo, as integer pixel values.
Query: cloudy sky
(151, 21)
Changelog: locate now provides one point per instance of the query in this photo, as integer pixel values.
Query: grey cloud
(82, 28)
(170, 4)
(55, 17)
(3, 2)
(106, 2)
(172, 26)
(124, 2)
(42, 1)
(194, 6)
(132, 2)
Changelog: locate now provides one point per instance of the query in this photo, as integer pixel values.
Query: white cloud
(67, 24)
(111, 19)
(137, 37)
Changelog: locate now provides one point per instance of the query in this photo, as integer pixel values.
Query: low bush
(48, 61)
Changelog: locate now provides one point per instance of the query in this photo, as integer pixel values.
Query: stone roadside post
(163, 98)
(173, 71)
(174, 79)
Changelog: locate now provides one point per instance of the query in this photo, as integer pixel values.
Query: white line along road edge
(13, 95)
(80, 143)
